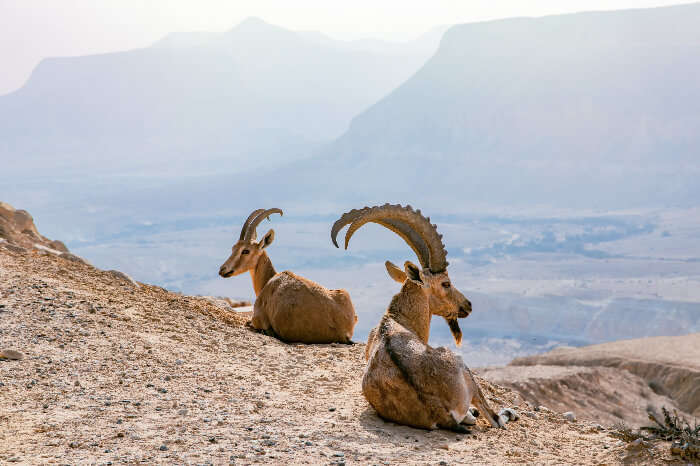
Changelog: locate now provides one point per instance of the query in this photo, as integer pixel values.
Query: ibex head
(444, 297)
(422, 236)
(246, 252)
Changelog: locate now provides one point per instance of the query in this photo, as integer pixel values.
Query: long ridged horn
(401, 228)
(415, 229)
(247, 222)
(251, 231)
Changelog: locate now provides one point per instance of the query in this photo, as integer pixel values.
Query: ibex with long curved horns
(406, 380)
(288, 306)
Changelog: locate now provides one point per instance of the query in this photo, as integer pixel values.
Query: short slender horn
(247, 222)
(416, 230)
(251, 232)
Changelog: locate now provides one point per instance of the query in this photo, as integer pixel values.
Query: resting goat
(407, 381)
(288, 306)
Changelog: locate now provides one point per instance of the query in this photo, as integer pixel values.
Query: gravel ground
(116, 373)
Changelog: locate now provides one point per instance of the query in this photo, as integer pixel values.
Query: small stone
(183, 412)
(178, 362)
(167, 378)
(73, 444)
(339, 455)
(570, 416)
(12, 355)
(308, 444)
(119, 421)
(212, 439)
(331, 409)
(163, 448)
(269, 443)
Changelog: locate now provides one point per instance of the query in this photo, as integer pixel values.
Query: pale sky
(34, 29)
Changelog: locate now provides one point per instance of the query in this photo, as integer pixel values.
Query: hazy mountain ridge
(590, 109)
(202, 102)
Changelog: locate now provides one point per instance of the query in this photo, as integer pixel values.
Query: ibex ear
(413, 273)
(267, 239)
(394, 272)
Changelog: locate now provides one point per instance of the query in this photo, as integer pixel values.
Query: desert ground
(117, 372)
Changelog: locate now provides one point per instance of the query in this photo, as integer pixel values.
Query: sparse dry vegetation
(672, 428)
(685, 438)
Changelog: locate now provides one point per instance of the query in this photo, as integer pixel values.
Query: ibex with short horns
(406, 380)
(288, 306)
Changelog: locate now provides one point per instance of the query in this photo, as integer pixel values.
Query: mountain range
(593, 109)
(199, 103)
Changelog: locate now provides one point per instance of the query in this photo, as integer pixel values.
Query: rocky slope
(17, 228)
(601, 394)
(611, 382)
(114, 371)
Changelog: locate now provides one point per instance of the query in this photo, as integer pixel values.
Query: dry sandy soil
(121, 373)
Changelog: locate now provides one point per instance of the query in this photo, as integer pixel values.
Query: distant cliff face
(17, 228)
(590, 109)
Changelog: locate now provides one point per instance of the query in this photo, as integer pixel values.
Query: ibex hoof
(470, 418)
(460, 429)
(510, 413)
(502, 421)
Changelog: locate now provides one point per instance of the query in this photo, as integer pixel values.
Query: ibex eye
(445, 284)
(245, 251)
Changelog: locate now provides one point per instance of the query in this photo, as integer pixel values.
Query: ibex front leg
(479, 400)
